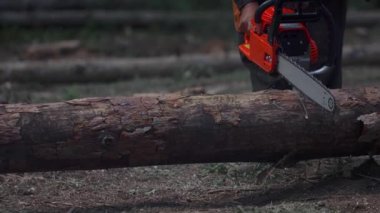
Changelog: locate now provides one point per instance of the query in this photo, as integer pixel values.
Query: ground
(234, 187)
(329, 185)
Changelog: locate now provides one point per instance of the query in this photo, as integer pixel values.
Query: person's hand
(247, 14)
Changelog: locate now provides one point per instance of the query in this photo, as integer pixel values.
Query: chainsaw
(280, 43)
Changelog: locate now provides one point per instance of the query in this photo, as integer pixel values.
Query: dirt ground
(314, 186)
(329, 185)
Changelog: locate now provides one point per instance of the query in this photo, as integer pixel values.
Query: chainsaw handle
(322, 71)
(261, 10)
(289, 18)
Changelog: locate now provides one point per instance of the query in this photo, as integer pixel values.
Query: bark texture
(371, 128)
(102, 133)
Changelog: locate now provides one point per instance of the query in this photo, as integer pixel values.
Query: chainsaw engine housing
(292, 39)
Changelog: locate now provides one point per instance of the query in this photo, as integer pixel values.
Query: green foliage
(71, 93)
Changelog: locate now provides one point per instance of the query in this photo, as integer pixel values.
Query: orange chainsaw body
(260, 51)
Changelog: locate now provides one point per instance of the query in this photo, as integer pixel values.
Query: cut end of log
(371, 128)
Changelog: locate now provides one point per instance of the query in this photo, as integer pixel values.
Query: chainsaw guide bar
(306, 83)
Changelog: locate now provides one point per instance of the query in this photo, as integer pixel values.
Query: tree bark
(98, 133)
(76, 18)
(371, 127)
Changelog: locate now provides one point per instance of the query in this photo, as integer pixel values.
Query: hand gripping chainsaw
(280, 43)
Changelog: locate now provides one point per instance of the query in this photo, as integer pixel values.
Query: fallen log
(113, 69)
(52, 50)
(368, 18)
(98, 133)
(371, 127)
(368, 54)
(77, 18)
(25, 5)
(32, 5)
(109, 69)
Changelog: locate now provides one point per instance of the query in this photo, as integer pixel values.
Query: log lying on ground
(25, 5)
(368, 54)
(110, 69)
(106, 70)
(100, 133)
(363, 18)
(73, 18)
(52, 50)
(110, 18)
(371, 127)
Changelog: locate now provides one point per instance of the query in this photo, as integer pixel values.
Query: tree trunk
(98, 133)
